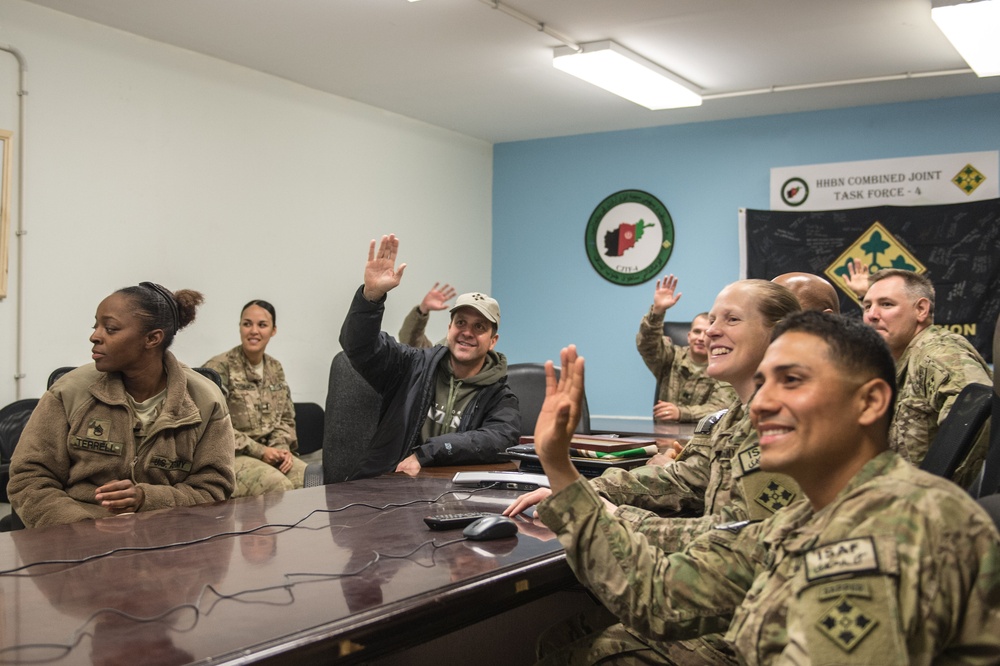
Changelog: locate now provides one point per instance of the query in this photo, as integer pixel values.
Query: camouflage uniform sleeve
(412, 331)
(661, 596)
(720, 398)
(283, 436)
(673, 533)
(655, 348)
(674, 488)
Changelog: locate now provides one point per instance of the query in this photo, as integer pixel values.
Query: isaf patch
(98, 429)
(750, 459)
(774, 496)
(846, 623)
(851, 556)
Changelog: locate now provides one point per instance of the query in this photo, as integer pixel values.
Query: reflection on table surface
(346, 569)
(641, 427)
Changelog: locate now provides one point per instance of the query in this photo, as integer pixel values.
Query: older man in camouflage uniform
(883, 563)
(685, 392)
(933, 364)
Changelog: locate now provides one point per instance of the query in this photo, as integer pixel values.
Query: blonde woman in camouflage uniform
(260, 404)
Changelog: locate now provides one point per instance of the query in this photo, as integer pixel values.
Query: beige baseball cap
(487, 306)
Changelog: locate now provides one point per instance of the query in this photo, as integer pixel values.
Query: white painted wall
(148, 162)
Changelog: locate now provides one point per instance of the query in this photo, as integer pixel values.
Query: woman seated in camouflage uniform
(261, 407)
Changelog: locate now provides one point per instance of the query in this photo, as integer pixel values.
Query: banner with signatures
(957, 246)
(901, 181)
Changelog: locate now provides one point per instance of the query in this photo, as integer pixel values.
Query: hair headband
(169, 298)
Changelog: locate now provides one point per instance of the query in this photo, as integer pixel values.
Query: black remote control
(450, 521)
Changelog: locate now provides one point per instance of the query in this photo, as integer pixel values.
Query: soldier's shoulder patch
(850, 556)
(749, 459)
(774, 496)
(847, 622)
(707, 423)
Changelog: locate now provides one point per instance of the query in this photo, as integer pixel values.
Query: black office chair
(527, 381)
(309, 426)
(992, 505)
(677, 331)
(210, 374)
(959, 431)
(56, 374)
(352, 414)
(204, 372)
(989, 482)
(13, 418)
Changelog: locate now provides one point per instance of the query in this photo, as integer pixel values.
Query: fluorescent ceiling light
(618, 70)
(973, 28)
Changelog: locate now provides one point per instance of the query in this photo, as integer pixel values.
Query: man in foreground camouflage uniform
(685, 392)
(933, 364)
(882, 564)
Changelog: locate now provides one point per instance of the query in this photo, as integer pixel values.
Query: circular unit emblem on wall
(629, 237)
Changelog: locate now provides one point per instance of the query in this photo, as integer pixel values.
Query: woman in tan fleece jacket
(134, 431)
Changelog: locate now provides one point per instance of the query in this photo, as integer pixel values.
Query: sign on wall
(957, 246)
(904, 181)
(629, 237)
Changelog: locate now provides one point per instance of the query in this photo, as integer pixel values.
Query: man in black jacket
(447, 405)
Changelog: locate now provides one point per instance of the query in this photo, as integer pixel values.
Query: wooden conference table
(644, 427)
(346, 583)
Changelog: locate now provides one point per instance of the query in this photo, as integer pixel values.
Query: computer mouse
(490, 527)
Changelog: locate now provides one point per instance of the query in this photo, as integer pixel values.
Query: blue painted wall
(545, 190)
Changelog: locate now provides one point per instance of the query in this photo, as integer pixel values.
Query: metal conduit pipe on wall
(22, 93)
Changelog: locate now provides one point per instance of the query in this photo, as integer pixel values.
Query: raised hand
(857, 277)
(664, 297)
(437, 299)
(559, 417)
(381, 274)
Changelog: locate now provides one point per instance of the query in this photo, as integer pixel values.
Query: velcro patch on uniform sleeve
(774, 496)
(850, 556)
(844, 588)
(846, 623)
(750, 459)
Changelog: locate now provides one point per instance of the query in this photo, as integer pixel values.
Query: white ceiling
(467, 67)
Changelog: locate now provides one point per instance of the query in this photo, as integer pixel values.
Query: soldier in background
(260, 403)
(685, 391)
(933, 364)
(412, 331)
(839, 578)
